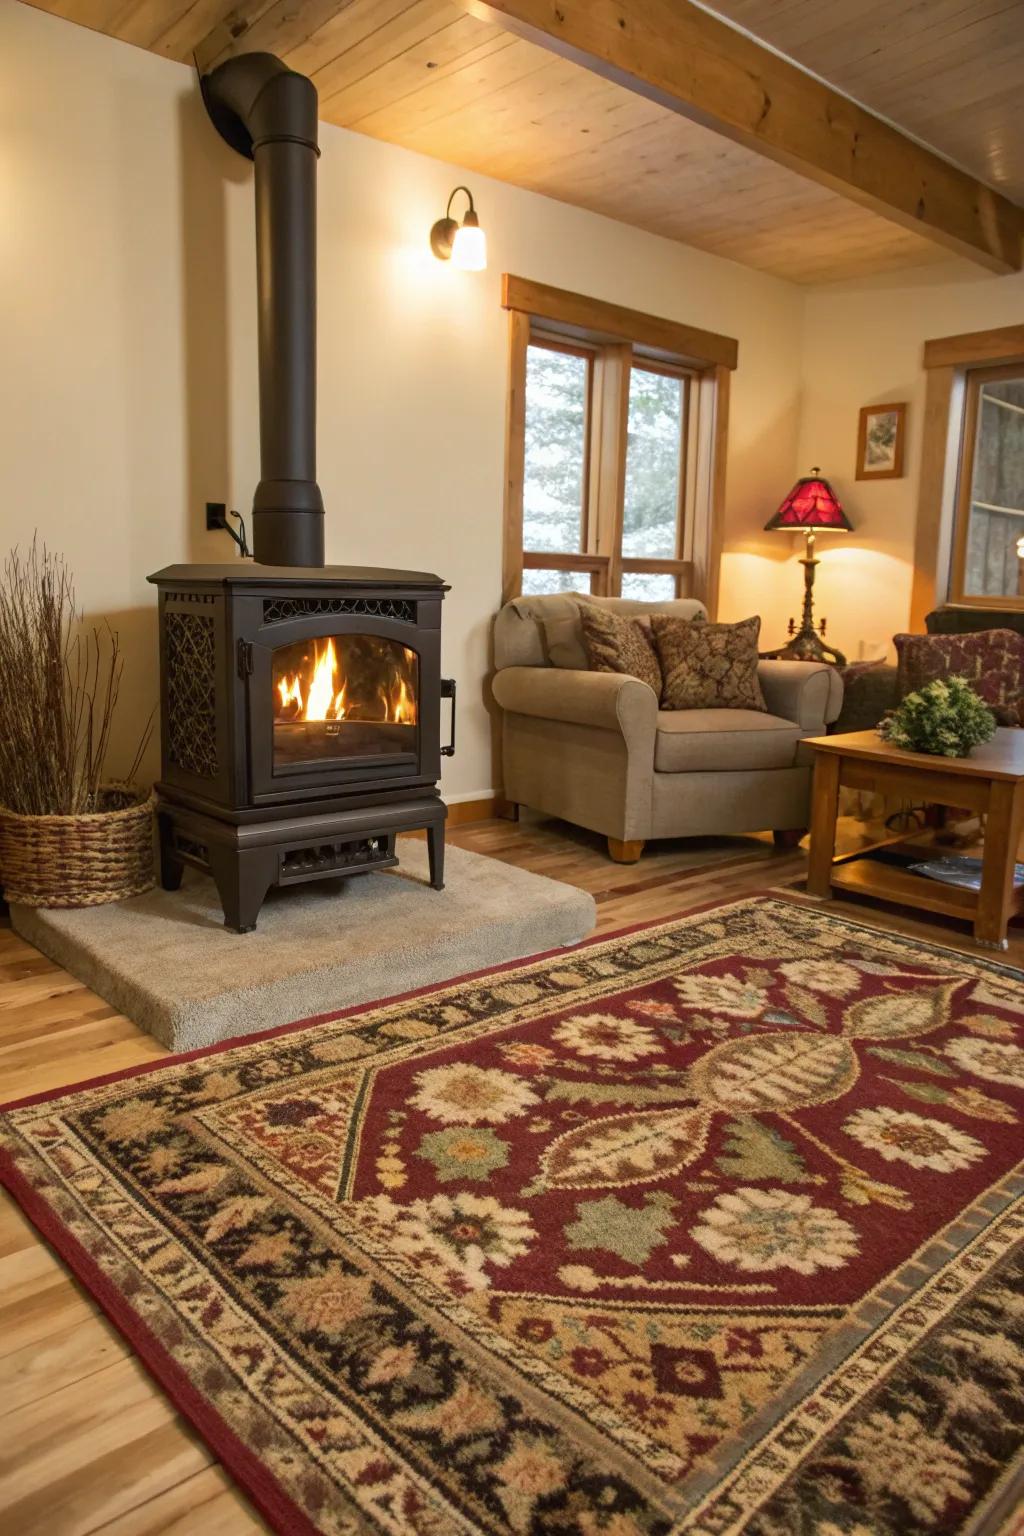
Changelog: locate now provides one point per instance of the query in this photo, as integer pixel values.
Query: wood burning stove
(301, 724)
(300, 703)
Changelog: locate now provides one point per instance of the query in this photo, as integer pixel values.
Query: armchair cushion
(708, 666)
(617, 643)
(723, 740)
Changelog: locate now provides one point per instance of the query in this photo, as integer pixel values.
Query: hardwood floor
(87, 1443)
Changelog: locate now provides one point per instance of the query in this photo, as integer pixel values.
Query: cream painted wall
(863, 346)
(128, 385)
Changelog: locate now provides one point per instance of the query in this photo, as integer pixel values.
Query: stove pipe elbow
(268, 113)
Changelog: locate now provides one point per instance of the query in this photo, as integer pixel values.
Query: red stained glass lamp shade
(812, 506)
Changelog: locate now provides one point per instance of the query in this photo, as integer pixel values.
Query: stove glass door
(343, 696)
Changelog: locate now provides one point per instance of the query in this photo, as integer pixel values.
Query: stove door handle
(448, 692)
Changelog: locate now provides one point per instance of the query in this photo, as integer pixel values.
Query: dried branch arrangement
(59, 688)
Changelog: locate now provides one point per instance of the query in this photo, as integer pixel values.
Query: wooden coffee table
(990, 781)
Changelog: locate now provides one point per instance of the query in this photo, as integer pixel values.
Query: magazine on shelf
(959, 869)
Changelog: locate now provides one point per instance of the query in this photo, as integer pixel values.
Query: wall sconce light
(465, 244)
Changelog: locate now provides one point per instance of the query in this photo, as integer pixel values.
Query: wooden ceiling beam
(691, 62)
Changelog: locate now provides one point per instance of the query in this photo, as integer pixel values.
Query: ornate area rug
(711, 1227)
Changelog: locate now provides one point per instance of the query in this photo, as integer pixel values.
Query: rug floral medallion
(711, 1227)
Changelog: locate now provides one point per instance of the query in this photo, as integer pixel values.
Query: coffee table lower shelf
(864, 875)
(887, 882)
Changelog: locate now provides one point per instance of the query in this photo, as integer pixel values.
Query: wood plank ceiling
(426, 75)
(949, 71)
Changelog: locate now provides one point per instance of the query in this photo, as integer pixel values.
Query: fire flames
(320, 696)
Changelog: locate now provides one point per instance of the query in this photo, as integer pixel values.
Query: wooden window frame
(975, 383)
(548, 560)
(678, 566)
(950, 362)
(619, 339)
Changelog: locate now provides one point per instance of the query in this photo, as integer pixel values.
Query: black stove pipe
(268, 113)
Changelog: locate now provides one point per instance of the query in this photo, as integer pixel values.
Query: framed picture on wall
(880, 441)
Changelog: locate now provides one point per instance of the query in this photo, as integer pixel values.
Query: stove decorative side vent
(192, 693)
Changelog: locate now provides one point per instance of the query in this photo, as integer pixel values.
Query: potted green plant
(945, 718)
(68, 838)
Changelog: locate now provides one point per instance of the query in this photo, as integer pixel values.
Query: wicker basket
(80, 861)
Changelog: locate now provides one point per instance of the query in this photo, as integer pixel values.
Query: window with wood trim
(615, 449)
(988, 545)
(572, 538)
(556, 463)
(971, 483)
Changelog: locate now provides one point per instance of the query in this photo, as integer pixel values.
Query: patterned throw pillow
(617, 644)
(708, 666)
(992, 661)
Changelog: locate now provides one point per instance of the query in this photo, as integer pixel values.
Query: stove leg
(171, 867)
(242, 880)
(435, 854)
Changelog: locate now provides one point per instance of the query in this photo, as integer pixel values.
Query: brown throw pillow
(991, 660)
(617, 644)
(708, 666)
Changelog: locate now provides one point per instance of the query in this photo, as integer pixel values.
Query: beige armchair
(595, 749)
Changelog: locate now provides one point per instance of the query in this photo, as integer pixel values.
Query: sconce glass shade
(469, 248)
(812, 506)
(465, 244)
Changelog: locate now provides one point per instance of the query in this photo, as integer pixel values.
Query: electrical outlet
(216, 516)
